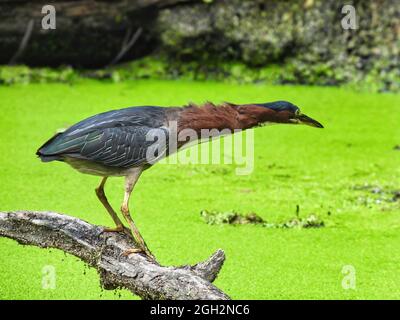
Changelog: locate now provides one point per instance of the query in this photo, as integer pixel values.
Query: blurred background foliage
(277, 42)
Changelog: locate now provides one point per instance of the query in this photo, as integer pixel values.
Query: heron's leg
(103, 199)
(130, 182)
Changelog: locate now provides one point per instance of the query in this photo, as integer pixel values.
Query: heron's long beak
(303, 119)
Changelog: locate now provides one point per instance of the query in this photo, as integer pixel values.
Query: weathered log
(104, 251)
(88, 33)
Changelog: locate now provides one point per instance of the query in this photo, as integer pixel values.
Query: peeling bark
(104, 251)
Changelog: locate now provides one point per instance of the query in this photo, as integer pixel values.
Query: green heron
(115, 143)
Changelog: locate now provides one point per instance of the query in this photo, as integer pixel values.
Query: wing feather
(115, 147)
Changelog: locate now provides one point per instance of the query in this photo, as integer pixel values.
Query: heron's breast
(94, 168)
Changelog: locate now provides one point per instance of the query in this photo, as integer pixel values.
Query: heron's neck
(222, 117)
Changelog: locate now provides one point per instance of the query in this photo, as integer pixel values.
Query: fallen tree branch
(104, 251)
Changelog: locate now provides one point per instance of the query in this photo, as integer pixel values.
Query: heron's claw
(116, 229)
(132, 250)
(147, 253)
(119, 229)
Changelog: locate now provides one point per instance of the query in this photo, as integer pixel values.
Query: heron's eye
(297, 112)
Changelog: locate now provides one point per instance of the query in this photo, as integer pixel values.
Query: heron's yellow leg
(103, 199)
(130, 182)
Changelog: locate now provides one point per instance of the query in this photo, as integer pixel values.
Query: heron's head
(286, 112)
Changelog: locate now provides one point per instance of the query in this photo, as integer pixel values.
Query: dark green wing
(121, 147)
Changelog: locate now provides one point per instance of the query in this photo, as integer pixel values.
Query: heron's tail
(46, 157)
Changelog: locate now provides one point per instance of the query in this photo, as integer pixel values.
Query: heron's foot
(144, 251)
(115, 229)
(119, 228)
(132, 250)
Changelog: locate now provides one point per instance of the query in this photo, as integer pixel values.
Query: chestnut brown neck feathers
(227, 116)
